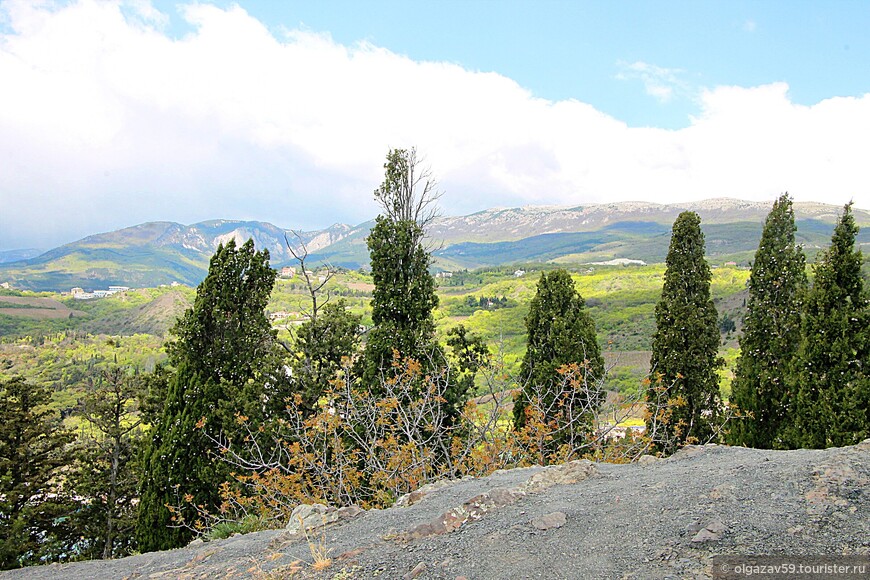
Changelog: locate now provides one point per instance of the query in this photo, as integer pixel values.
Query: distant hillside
(7, 256)
(162, 252)
(155, 317)
(631, 230)
(600, 232)
(152, 254)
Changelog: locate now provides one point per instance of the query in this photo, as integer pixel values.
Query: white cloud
(106, 121)
(659, 82)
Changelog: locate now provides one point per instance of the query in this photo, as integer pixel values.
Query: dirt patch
(361, 286)
(38, 308)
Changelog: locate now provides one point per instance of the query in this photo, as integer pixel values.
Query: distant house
(519, 273)
(288, 272)
(80, 294)
(444, 275)
(617, 432)
(730, 263)
(279, 315)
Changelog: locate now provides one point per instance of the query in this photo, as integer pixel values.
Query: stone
(694, 528)
(550, 521)
(711, 532)
(311, 516)
(648, 460)
(351, 511)
(705, 535)
(568, 473)
(416, 571)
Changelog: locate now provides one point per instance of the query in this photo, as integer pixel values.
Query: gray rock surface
(663, 519)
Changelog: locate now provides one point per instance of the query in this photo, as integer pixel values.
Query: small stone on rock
(705, 535)
(418, 569)
(549, 521)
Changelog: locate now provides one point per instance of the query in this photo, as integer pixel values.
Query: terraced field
(38, 308)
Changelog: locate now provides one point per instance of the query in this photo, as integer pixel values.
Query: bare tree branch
(300, 253)
(409, 192)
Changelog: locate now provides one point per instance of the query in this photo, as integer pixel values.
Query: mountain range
(157, 253)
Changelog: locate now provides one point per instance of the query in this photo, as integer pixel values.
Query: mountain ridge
(163, 252)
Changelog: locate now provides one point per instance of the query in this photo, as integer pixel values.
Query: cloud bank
(108, 121)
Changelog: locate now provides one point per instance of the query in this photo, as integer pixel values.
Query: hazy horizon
(286, 227)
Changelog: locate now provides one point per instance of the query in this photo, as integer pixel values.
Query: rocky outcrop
(670, 518)
(476, 507)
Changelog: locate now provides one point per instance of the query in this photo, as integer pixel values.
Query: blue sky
(585, 50)
(119, 112)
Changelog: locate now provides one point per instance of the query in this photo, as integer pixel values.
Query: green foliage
(560, 333)
(403, 299)
(686, 341)
(771, 333)
(321, 344)
(470, 354)
(33, 509)
(16, 326)
(472, 304)
(727, 324)
(832, 382)
(246, 525)
(226, 362)
(105, 476)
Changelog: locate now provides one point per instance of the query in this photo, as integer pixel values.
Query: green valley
(130, 328)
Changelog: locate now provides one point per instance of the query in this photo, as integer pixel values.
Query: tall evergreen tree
(404, 296)
(226, 362)
(771, 333)
(560, 332)
(832, 379)
(33, 443)
(685, 344)
(403, 299)
(106, 472)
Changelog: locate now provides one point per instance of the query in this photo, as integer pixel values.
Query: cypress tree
(832, 380)
(404, 296)
(403, 299)
(771, 333)
(225, 361)
(560, 332)
(685, 344)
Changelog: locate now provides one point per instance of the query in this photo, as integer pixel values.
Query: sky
(115, 113)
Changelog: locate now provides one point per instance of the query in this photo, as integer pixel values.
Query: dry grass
(318, 549)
